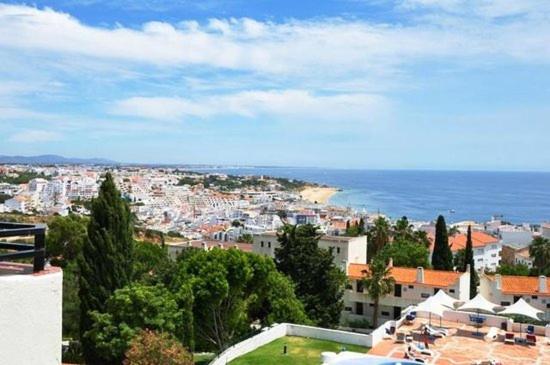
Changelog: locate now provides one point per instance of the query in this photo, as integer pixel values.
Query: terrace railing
(35, 251)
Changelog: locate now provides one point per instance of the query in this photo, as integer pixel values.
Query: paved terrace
(461, 347)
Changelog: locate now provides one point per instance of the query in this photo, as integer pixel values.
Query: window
(385, 313)
(269, 244)
(371, 304)
(397, 290)
(338, 250)
(451, 290)
(349, 286)
(359, 308)
(504, 303)
(494, 255)
(411, 286)
(262, 244)
(360, 286)
(347, 309)
(548, 306)
(424, 295)
(516, 298)
(534, 297)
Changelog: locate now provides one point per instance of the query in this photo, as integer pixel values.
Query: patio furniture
(420, 350)
(530, 329)
(478, 304)
(522, 308)
(531, 339)
(409, 318)
(435, 332)
(509, 337)
(486, 362)
(492, 335)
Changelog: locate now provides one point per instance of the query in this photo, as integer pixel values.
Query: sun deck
(462, 347)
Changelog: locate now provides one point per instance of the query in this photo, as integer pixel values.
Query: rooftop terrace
(462, 347)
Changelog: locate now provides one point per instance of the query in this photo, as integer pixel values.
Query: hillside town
(421, 268)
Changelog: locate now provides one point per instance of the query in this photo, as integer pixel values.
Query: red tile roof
(511, 284)
(479, 239)
(407, 275)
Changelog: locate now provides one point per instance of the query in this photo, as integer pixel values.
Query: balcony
(18, 250)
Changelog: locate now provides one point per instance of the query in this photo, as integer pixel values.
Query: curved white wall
(30, 318)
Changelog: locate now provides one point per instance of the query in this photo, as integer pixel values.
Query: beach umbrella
(444, 299)
(431, 306)
(522, 308)
(478, 304)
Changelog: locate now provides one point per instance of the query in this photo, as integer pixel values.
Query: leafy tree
(459, 259)
(231, 289)
(106, 261)
(442, 257)
(378, 237)
(151, 262)
(406, 254)
(378, 283)
(246, 238)
(319, 283)
(71, 301)
(129, 310)
(66, 236)
(153, 348)
(469, 262)
(516, 269)
(539, 250)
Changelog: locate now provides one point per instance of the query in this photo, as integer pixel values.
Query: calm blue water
(422, 195)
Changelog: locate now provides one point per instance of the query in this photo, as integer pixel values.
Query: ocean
(518, 197)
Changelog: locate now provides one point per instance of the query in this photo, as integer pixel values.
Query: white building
(520, 236)
(346, 250)
(508, 289)
(486, 248)
(412, 286)
(545, 230)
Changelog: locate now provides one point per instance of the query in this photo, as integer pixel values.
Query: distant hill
(54, 160)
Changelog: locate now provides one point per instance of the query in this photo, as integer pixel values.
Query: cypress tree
(106, 260)
(442, 257)
(469, 261)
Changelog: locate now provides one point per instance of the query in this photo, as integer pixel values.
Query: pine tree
(106, 260)
(469, 262)
(442, 257)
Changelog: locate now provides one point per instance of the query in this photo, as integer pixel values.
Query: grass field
(302, 351)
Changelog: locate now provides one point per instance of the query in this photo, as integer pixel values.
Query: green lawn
(303, 351)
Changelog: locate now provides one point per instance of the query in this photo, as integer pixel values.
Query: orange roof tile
(511, 284)
(407, 275)
(479, 239)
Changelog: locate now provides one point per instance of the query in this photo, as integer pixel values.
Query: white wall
(286, 329)
(30, 319)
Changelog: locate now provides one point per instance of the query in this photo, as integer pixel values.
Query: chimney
(420, 274)
(543, 287)
(498, 280)
(390, 263)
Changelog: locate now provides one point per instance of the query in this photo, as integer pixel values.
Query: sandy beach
(319, 195)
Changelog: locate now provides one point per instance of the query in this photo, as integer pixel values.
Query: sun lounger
(421, 351)
(435, 332)
(400, 337)
(486, 362)
(413, 355)
(509, 338)
(492, 335)
(531, 339)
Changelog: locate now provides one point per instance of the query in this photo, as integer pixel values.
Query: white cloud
(321, 47)
(35, 136)
(286, 104)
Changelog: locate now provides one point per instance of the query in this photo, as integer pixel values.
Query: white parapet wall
(288, 329)
(30, 318)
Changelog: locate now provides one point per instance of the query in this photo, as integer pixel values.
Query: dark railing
(24, 250)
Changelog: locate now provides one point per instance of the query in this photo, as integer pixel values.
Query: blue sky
(415, 84)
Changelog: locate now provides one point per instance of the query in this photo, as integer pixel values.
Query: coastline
(319, 195)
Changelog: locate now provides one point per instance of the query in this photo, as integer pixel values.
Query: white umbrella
(444, 299)
(478, 304)
(522, 308)
(431, 306)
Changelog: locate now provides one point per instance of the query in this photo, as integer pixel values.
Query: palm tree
(378, 236)
(378, 282)
(539, 250)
